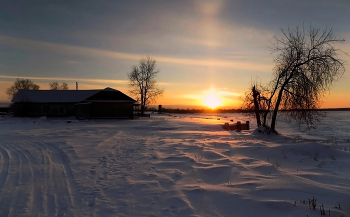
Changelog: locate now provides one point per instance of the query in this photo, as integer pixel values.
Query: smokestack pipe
(76, 85)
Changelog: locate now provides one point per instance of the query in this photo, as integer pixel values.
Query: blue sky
(200, 46)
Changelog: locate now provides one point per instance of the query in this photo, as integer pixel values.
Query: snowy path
(36, 180)
(165, 166)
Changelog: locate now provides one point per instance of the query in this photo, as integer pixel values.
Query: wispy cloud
(223, 92)
(67, 79)
(65, 49)
(89, 80)
(98, 53)
(201, 42)
(228, 93)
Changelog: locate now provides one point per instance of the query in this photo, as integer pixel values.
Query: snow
(172, 166)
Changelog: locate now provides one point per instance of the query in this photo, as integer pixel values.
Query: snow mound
(43, 118)
(262, 130)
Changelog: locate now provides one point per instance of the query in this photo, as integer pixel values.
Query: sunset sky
(203, 48)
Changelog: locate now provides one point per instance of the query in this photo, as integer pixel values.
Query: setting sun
(212, 101)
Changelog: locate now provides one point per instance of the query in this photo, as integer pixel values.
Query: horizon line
(184, 107)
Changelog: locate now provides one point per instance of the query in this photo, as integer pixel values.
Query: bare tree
(142, 83)
(21, 84)
(64, 86)
(56, 86)
(307, 64)
(257, 104)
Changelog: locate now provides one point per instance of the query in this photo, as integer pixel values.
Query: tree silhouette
(257, 103)
(56, 86)
(21, 84)
(307, 64)
(142, 83)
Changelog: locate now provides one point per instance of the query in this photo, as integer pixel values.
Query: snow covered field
(172, 166)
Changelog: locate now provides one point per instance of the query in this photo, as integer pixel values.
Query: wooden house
(84, 104)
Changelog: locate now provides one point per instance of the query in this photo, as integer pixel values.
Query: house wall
(82, 111)
(111, 110)
(91, 110)
(44, 109)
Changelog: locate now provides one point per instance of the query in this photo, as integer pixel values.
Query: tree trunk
(274, 115)
(256, 106)
(142, 110)
(142, 103)
(265, 116)
(266, 113)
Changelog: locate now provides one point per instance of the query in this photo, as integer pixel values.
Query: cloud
(67, 79)
(208, 7)
(201, 42)
(98, 53)
(228, 93)
(65, 49)
(223, 92)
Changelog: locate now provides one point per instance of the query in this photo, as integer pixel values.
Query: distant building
(84, 104)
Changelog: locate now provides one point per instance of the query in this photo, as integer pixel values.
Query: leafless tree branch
(21, 84)
(306, 66)
(142, 83)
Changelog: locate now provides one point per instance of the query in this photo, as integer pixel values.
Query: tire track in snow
(51, 205)
(3, 177)
(22, 202)
(4, 167)
(36, 180)
(41, 175)
(72, 186)
(47, 176)
(38, 193)
(67, 183)
(12, 181)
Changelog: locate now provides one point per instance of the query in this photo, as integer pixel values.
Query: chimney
(76, 85)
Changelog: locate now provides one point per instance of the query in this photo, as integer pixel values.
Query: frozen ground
(172, 166)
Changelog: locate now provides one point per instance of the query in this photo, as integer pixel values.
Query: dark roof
(46, 96)
(110, 94)
(70, 96)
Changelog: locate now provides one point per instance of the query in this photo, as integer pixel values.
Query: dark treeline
(204, 110)
(335, 109)
(191, 111)
(197, 110)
